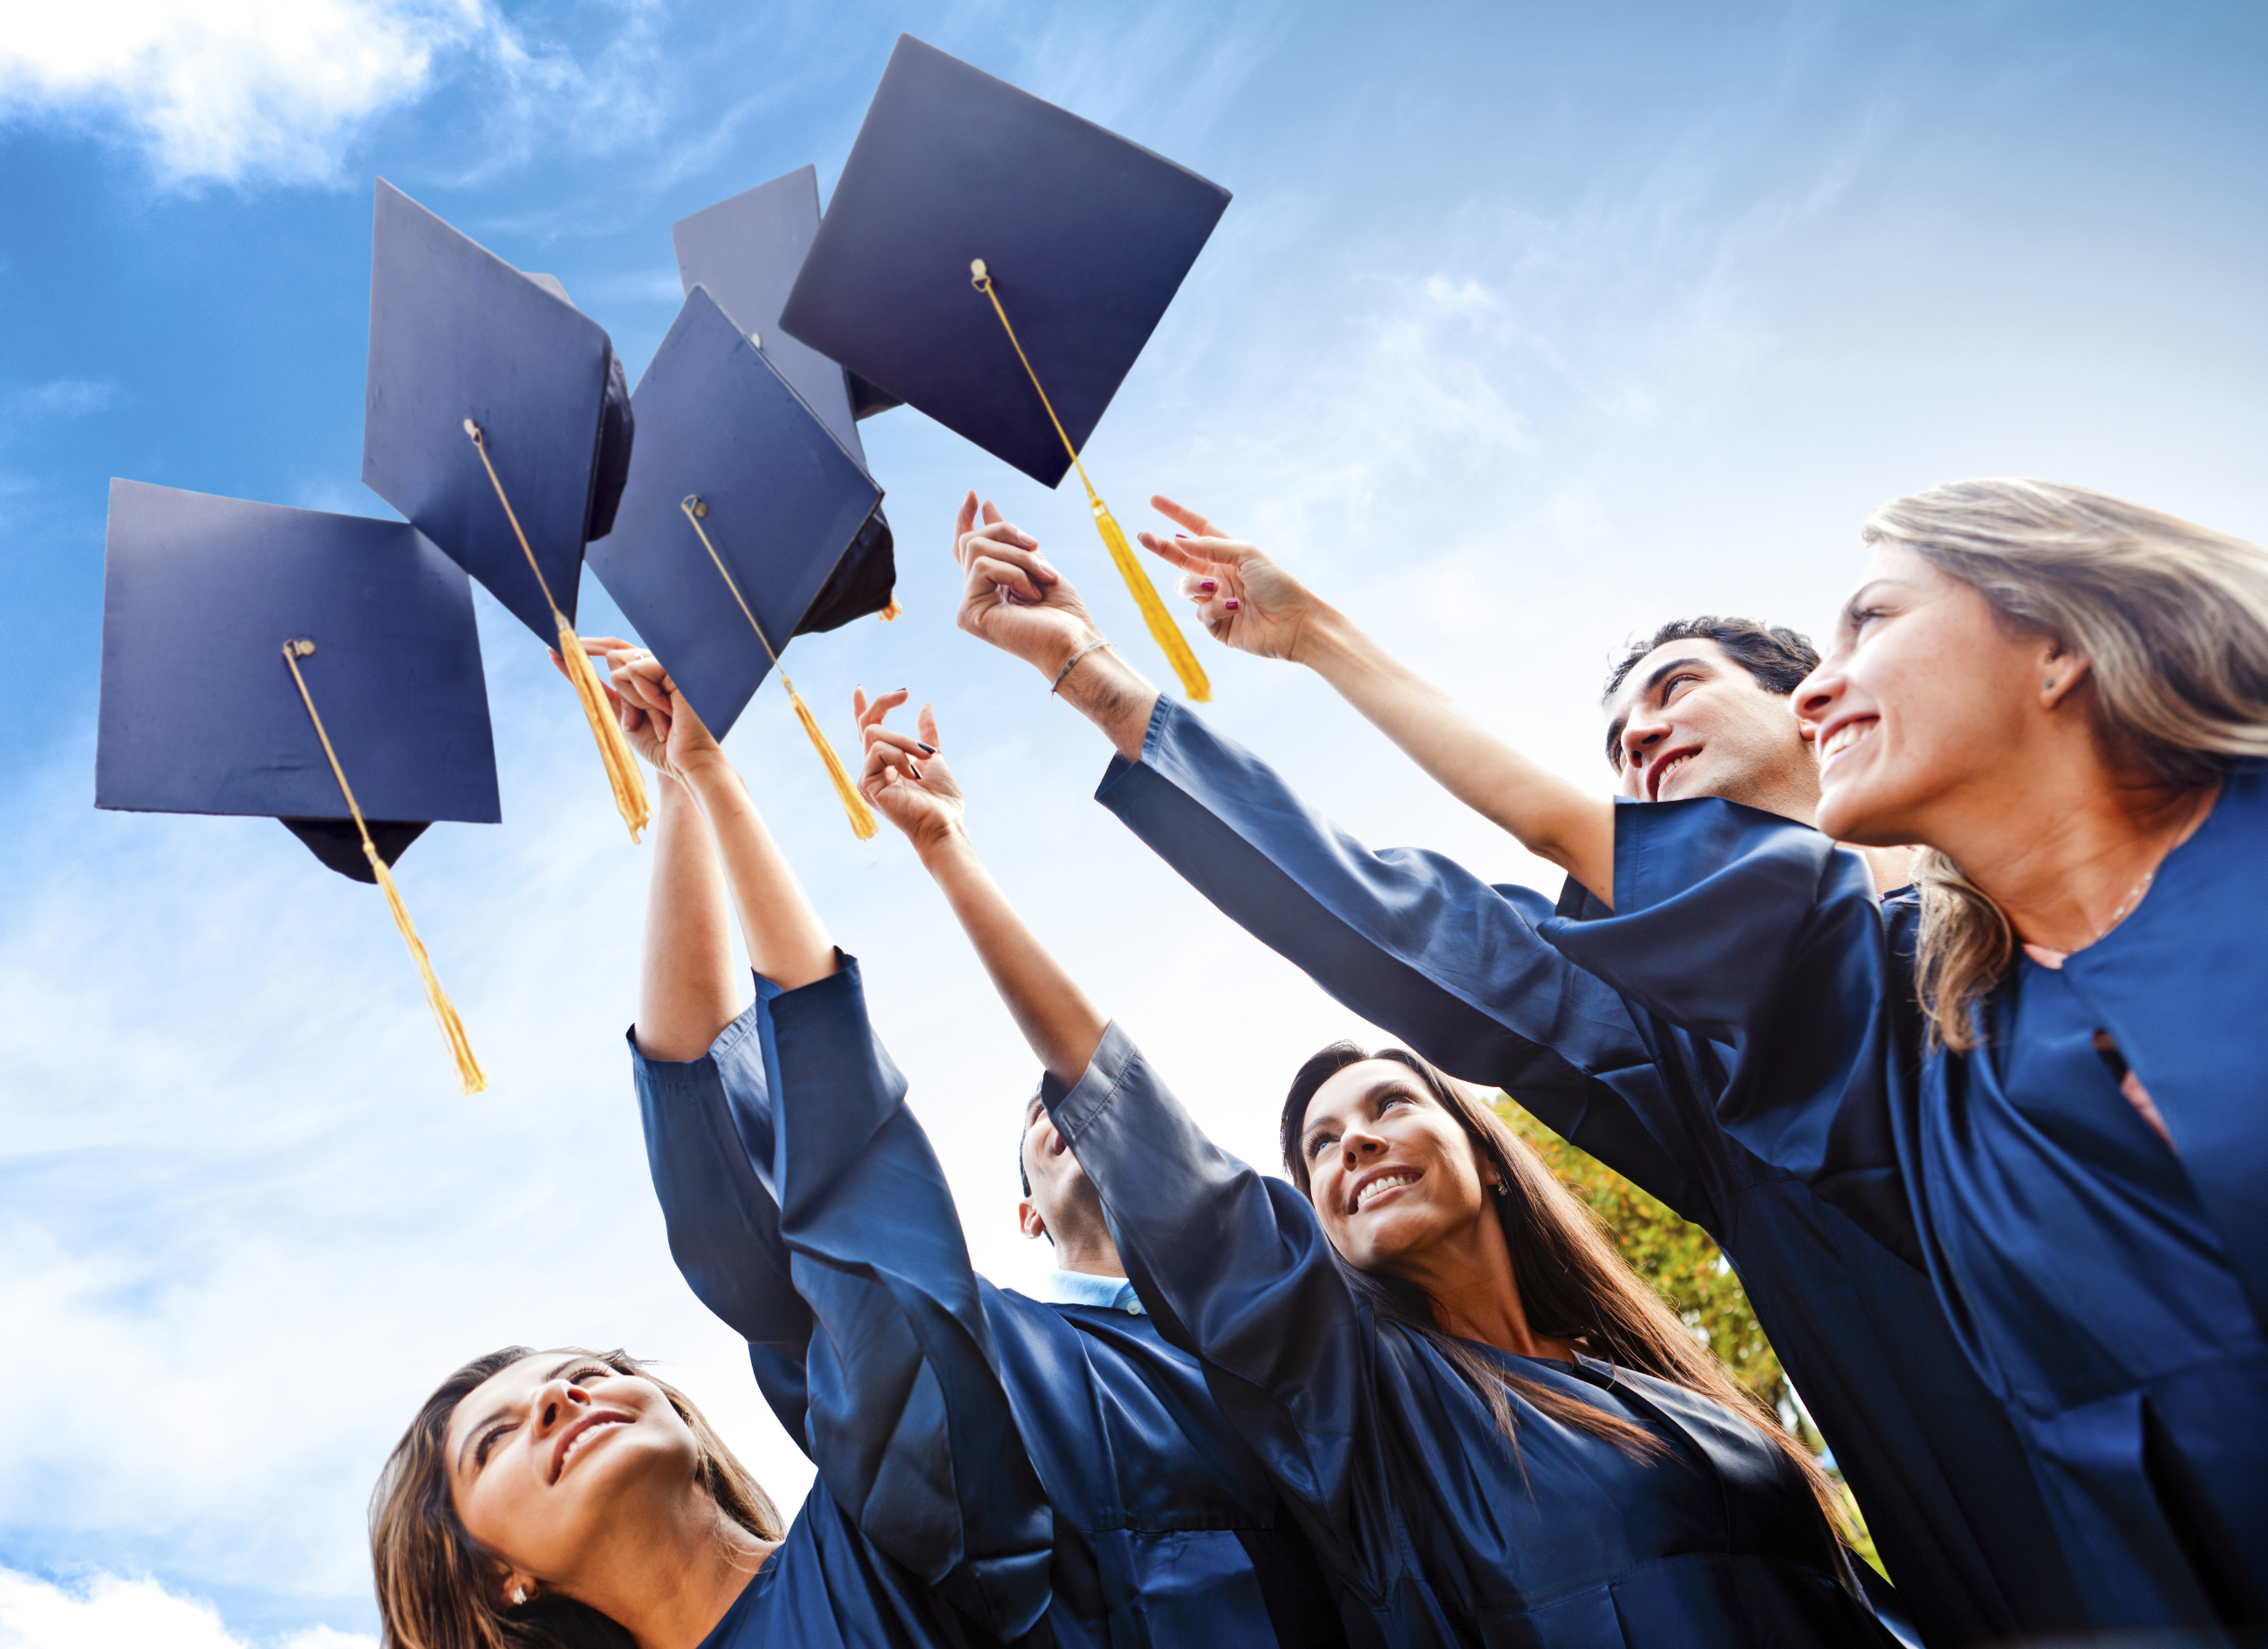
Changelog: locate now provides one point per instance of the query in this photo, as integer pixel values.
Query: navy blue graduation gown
(2110, 1289)
(1434, 1531)
(927, 1525)
(1168, 1530)
(1457, 969)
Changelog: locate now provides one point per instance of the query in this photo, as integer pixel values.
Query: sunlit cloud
(109, 1611)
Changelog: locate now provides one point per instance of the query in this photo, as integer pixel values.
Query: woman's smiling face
(1923, 699)
(545, 1455)
(1392, 1175)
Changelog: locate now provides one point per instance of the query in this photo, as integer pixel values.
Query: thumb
(927, 722)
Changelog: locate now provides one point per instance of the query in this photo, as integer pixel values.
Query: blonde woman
(2041, 1071)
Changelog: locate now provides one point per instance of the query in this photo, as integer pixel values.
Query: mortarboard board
(496, 419)
(741, 506)
(746, 250)
(1077, 239)
(322, 669)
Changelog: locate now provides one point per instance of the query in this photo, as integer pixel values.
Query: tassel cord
(863, 823)
(470, 1078)
(1159, 621)
(623, 774)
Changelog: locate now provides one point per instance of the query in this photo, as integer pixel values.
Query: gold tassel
(613, 750)
(892, 613)
(470, 1078)
(621, 766)
(862, 816)
(1163, 631)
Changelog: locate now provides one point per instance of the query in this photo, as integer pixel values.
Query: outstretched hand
(1011, 596)
(905, 778)
(1241, 597)
(655, 717)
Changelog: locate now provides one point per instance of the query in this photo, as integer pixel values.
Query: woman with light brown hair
(2040, 1073)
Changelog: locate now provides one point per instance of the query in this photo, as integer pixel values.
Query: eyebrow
(1653, 681)
(1383, 1085)
(1851, 607)
(556, 1370)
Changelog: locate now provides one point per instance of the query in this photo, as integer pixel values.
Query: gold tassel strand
(1163, 629)
(470, 1078)
(623, 774)
(863, 823)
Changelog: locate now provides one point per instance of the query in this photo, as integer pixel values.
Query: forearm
(1110, 693)
(689, 990)
(1063, 1027)
(1553, 819)
(787, 944)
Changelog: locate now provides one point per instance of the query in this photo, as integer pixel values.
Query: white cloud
(228, 89)
(109, 1611)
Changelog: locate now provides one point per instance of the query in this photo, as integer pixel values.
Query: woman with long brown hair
(2041, 1073)
(1490, 1428)
(568, 1499)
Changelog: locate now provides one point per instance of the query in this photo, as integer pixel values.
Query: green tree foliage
(1688, 1270)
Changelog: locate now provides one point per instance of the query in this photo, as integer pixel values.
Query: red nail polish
(1208, 586)
(1230, 604)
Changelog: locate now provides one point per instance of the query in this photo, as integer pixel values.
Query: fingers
(961, 522)
(927, 722)
(871, 713)
(887, 764)
(992, 517)
(1175, 550)
(1011, 569)
(1183, 516)
(905, 742)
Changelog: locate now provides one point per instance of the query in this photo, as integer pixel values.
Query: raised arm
(1233, 1265)
(907, 779)
(781, 1153)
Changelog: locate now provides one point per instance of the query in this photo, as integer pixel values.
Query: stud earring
(518, 1595)
(2048, 684)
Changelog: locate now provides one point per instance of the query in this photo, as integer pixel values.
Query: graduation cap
(1073, 240)
(497, 418)
(320, 669)
(741, 508)
(746, 250)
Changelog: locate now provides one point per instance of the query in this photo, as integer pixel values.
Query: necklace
(2135, 897)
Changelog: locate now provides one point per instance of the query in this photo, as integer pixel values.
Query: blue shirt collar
(1078, 1288)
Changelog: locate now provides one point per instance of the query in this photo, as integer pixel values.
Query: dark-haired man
(1457, 968)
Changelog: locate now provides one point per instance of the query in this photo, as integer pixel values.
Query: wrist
(1325, 636)
(707, 777)
(943, 851)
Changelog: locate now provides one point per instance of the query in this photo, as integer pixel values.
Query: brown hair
(1779, 657)
(1572, 1284)
(2172, 619)
(439, 1589)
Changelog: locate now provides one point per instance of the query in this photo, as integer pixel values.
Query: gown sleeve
(904, 1415)
(1752, 930)
(708, 1126)
(1236, 1268)
(1411, 940)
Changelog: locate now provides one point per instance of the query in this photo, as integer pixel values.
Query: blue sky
(1530, 326)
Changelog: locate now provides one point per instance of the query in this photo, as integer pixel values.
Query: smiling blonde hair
(439, 1589)
(2172, 619)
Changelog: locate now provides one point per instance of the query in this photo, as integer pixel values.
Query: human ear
(2060, 673)
(1028, 1221)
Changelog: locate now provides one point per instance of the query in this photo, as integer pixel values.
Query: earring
(2048, 685)
(1502, 1189)
(518, 1595)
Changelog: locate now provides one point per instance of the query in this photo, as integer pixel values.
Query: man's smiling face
(1689, 719)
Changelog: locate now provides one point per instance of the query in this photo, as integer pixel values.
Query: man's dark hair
(1777, 657)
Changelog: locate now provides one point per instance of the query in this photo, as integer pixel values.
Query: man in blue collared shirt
(1067, 1212)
